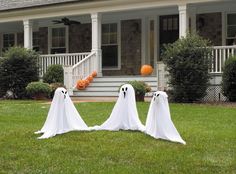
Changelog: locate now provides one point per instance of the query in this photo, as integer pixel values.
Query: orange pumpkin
(80, 84)
(94, 74)
(90, 78)
(86, 82)
(146, 70)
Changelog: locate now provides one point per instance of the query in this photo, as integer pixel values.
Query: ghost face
(126, 91)
(62, 93)
(156, 96)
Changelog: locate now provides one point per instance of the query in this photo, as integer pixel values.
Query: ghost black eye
(126, 88)
(62, 92)
(66, 92)
(158, 95)
(123, 89)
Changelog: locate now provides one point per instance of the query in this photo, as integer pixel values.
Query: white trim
(50, 37)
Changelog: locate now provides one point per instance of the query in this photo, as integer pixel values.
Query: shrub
(18, 68)
(38, 90)
(229, 79)
(54, 74)
(188, 65)
(54, 86)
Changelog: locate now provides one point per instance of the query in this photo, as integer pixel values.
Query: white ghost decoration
(124, 115)
(159, 123)
(62, 116)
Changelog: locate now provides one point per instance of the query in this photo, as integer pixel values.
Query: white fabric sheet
(124, 115)
(159, 123)
(62, 116)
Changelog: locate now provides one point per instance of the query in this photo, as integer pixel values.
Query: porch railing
(79, 71)
(219, 55)
(68, 59)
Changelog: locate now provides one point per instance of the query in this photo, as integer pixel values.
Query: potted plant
(140, 88)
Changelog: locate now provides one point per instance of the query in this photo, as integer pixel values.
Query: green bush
(54, 74)
(54, 86)
(188, 65)
(18, 68)
(229, 79)
(38, 90)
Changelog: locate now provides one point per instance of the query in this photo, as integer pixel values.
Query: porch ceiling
(88, 7)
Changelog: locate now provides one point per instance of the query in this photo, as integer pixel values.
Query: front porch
(117, 41)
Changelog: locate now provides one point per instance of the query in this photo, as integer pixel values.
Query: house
(114, 37)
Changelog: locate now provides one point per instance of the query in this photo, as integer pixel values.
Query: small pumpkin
(80, 84)
(94, 74)
(86, 82)
(146, 70)
(90, 78)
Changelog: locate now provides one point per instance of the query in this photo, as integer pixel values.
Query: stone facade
(80, 39)
(130, 49)
(209, 25)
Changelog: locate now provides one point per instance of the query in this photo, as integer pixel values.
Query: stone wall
(209, 25)
(130, 49)
(80, 39)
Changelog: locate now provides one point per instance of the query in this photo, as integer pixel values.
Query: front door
(169, 29)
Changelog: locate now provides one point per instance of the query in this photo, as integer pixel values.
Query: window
(8, 41)
(58, 40)
(36, 41)
(109, 46)
(231, 29)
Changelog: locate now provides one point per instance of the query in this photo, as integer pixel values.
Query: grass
(210, 133)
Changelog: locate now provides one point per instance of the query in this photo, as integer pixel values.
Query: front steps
(108, 86)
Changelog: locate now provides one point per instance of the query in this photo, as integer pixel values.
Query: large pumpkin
(94, 74)
(80, 84)
(90, 78)
(146, 70)
(86, 82)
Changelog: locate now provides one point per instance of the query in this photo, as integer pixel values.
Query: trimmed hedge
(38, 90)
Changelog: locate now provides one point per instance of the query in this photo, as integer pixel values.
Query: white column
(183, 21)
(28, 34)
(96, 41)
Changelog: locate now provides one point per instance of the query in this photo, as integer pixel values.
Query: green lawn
(210, 133)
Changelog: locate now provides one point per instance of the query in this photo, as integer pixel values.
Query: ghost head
(159, 123)
(124, 115)
(62, 116)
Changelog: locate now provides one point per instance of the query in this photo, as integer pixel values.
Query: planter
(139, 97)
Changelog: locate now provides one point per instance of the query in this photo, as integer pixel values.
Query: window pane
(113, 38)
(105, 28)
(170, 24)
(164, 24)
(231, 31)
(175, 24)
(105, 38)
(113, 28)
(231, 19)
(110, 56)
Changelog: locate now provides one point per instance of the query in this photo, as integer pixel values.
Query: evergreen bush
(54, 74)
(187, 61)
(18, 67)
(229, 79)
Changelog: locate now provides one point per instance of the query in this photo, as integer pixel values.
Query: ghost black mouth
(124, 91)
(155, 96)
